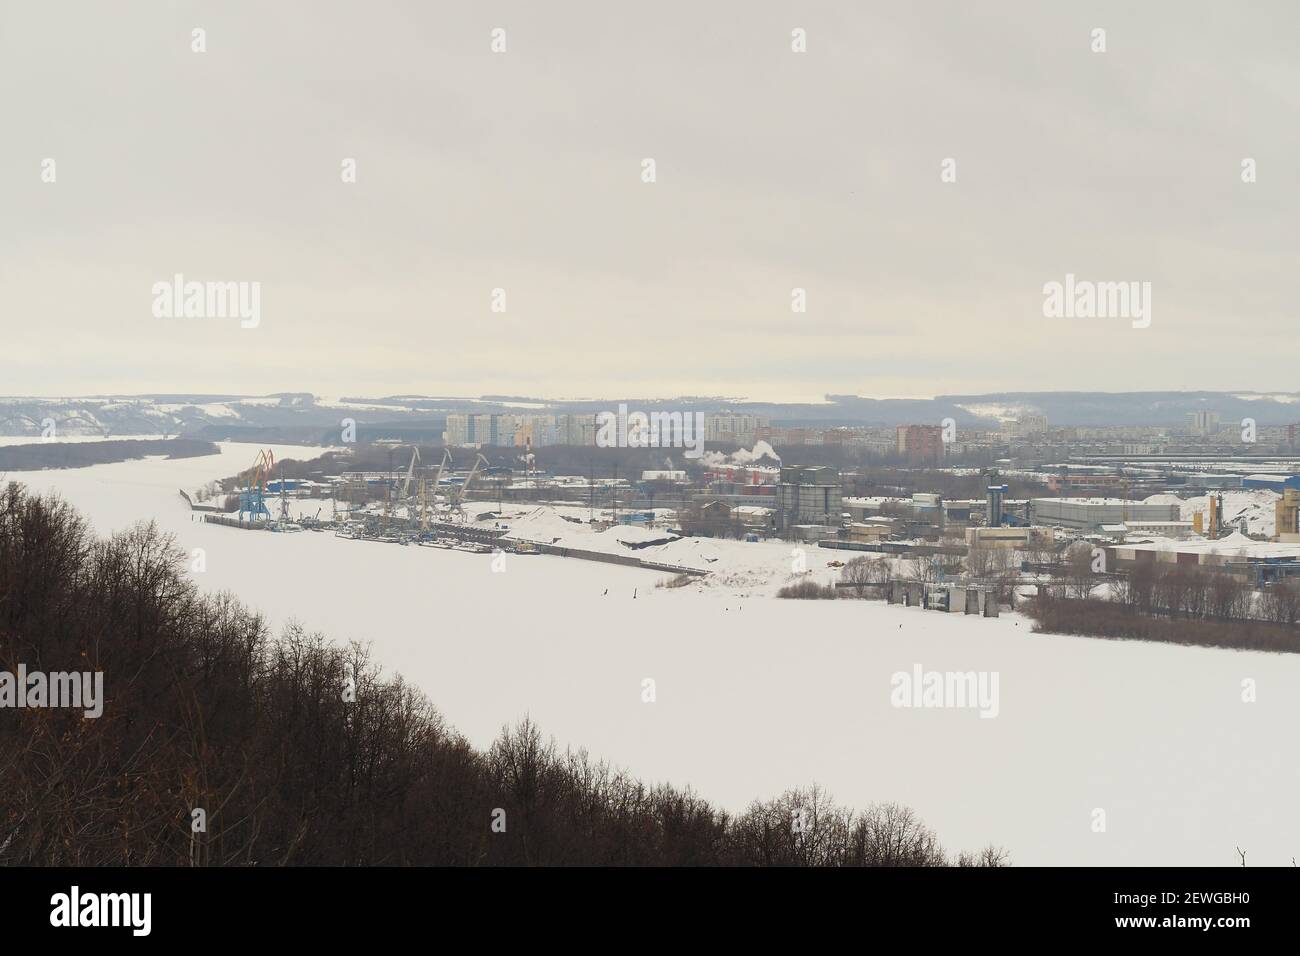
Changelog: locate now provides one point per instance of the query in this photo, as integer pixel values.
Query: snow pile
(1163, 500)
(545, 525)
(1234, 540)
(541, 525)
(1256, 506)
(744, 567)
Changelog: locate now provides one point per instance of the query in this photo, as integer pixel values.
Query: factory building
(1089, 514)
(1203, 423)
(994, 537)
(1164, 529)
(868, 532)
(1287, 516)
(859, 509)
(808, 494)
(1214, 482)
(1271, 482)
(993, 505)
(1260, 562)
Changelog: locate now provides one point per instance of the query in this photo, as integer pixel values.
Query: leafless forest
(206, 710)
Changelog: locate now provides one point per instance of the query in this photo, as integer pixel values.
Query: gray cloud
(776, 170)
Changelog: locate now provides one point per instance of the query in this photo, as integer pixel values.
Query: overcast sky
(523, 171)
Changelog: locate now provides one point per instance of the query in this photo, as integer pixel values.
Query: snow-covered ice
(756, 694)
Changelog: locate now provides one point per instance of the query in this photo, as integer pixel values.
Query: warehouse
(1008, 538)
(1271, 482)
(1089, 514)
(808, 494)
(1260, 562)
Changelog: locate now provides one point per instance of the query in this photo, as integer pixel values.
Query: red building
(920, 444)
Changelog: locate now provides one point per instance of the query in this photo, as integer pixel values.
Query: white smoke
(761, 449)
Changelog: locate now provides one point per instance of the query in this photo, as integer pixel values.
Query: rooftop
(1233, 544)
(1113, 502)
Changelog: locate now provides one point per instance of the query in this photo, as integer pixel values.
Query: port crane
(429, 499)
(464, 488)
(284, 500)
(405, 495)
(394, 497)
(252, 500)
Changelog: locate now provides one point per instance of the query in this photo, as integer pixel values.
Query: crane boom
(437, 479)
(410, 470)
(429, 499)
(469, 480)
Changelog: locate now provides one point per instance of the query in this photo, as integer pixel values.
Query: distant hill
(214, 417)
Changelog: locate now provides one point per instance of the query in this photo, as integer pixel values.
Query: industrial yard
(735, 517)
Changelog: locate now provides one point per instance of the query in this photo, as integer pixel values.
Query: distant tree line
(298, 751)
(1096, 618)
(808, 590)
(1181, 604)
(1157, 601)
(55, 454)
(880, 480)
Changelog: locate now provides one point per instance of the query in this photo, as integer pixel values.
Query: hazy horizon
(1278, 395)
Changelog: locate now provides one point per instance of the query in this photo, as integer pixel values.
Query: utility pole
(392, 474)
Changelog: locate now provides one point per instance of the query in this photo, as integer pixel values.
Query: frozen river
(755, 695)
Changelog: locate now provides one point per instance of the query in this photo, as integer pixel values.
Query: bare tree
(921, 569)
(863, 571)
(979, 561)
(1078, 572)
(1280, 602)
(300, 752)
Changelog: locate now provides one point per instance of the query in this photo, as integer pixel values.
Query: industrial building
(1009, 537)
(1203, 423)
(808, 495)
(1287, 516)
(877, 529)
(1213, 482)
(1271, 482)
(997, 494)
(1089, 514)
(1260, 562)
(859, 509)
(1166, 529)
(674, 476)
